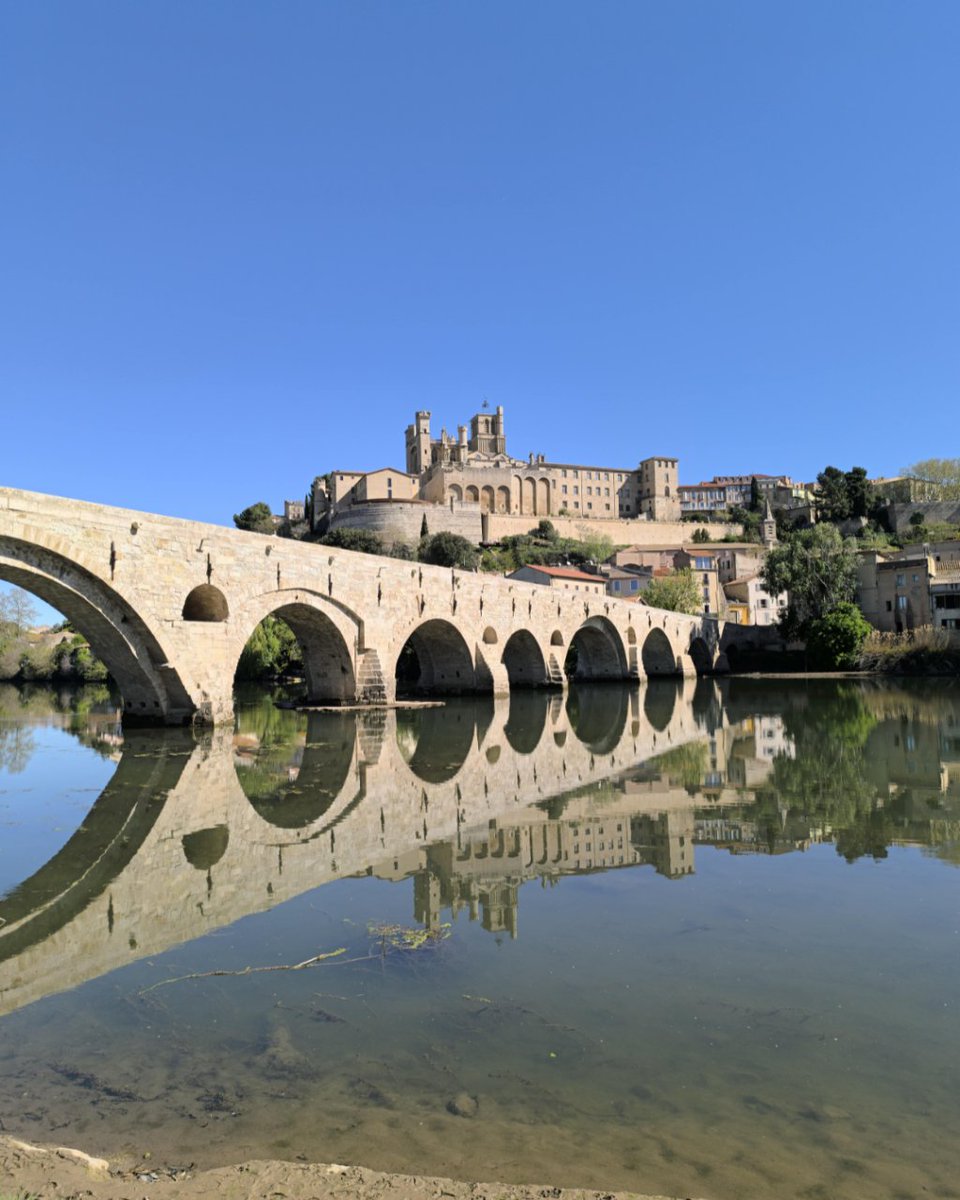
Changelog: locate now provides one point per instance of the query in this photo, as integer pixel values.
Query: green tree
(449, 550)
(700, 535)
(18, 610)
(271, 650)
(817, 569)
(835, 640)
(756, 500)
(255, 519)
(424, 527)
(942, 471)
(858, 491)
(833, 501)
(547, 531)
(677, 591)
(750, 521)
(365, 541)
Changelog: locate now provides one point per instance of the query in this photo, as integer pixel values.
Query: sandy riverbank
(48, 1172)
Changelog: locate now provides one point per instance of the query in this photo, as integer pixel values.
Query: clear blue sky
(242, 242)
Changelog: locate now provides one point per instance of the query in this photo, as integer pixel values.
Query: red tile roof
(566, 573)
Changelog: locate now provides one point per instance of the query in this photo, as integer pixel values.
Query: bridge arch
(435, 658)
(657, 655)
(524, 661)
(700, 655)
(600, 652)
(327, 635)
(151, 688)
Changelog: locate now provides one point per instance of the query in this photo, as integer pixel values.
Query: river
(699, 938)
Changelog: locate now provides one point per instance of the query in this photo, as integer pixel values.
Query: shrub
(836, 639)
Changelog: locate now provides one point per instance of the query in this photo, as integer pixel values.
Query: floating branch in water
(315, 961)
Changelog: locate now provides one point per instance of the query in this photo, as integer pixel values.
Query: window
(901, 579)
(616, 585)
(634, 584)
(889, 606)
(564, 487)
(576, 490)
(901, 602)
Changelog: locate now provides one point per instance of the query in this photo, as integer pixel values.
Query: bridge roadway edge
(169, 604)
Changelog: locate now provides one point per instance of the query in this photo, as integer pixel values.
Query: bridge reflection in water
(472, 798)
(191, 835)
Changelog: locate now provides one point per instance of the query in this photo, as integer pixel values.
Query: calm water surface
(698, 939)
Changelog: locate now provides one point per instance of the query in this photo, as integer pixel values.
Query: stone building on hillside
(475, 468)
(473, 474)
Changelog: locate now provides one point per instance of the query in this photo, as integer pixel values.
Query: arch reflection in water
(598, 715)
(527, 719)
(435, 742)
(660, 701)
(292, 784)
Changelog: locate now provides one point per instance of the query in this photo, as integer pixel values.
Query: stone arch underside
(657, 654)
(524, 661)
(444, 664)
(599, 651)
(151, 688)
(700, 654)
(328, 658)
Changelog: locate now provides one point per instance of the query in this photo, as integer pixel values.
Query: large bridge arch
(658, 655)
(600, 652)
(435, 658)
(152, 690)
(328, 635)
(524, 661)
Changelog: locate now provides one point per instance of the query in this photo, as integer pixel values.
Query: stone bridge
(175, 848)
(169, 604)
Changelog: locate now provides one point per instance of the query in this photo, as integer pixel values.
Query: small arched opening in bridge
(436, 742)
(113, 631)
(301, 768)
(523, 660)
(206, 603)
(701, 656)
(658, 656)
(298, 642)
(435, 660)
(598, 716)
(596, 652)
(526, 720)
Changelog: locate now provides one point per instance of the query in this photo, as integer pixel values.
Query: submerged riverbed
(698, 938)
